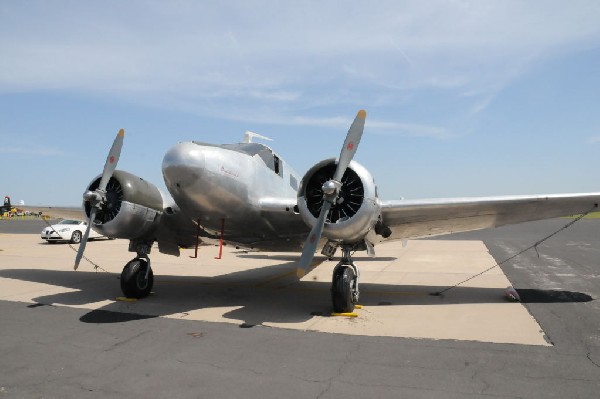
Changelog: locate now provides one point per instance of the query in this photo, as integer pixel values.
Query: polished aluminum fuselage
(238, 185)
(215, 184)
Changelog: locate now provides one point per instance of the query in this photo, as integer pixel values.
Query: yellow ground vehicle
(7, 210)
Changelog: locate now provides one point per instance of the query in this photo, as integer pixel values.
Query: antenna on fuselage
(248, 136)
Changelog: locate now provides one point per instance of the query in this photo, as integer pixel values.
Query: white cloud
(282, 56)
(340, 123)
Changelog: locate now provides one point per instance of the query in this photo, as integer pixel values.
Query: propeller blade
(97, 196)
(84, 240)
(350, 144)
(308, 253)
(111, 160)
(331, 191)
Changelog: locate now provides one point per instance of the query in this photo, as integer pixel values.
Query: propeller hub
(331, 189)
(93, 197)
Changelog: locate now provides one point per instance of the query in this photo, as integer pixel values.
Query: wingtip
(122, 133)
(362, 114)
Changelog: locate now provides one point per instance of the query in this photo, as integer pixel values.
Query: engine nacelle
(357, 209)
(132, 208)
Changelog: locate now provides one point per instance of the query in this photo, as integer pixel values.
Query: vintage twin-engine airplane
(249, 194)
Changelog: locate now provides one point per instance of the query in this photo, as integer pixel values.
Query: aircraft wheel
(75, 237)
(133, 279)
(341, 290)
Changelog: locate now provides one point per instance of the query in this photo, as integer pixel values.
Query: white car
(68, 230)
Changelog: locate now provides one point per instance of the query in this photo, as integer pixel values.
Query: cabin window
(293, 183)
(278, 166)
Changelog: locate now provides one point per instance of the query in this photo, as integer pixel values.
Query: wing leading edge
(421, 218)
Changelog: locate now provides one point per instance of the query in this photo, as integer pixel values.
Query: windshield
(67, 221)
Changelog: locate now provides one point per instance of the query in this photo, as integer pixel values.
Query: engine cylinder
(357, 208)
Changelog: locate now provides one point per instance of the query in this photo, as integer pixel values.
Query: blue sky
(464, 98)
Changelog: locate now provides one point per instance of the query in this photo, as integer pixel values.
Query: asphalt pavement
(16, 225)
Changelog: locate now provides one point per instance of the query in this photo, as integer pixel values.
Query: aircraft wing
(421, 218)
(282, 220)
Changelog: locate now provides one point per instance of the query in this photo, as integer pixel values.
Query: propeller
(97, 198)
(331, 190)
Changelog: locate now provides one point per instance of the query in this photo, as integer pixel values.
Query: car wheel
(75, 237)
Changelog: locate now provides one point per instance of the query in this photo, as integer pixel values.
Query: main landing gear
(344, 285)
(137, 278)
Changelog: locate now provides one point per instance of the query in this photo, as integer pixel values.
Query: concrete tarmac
(63, 334)
(255, 288)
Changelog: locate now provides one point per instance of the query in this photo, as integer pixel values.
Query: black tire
(133, 279)
(341, 290)
(75, 237)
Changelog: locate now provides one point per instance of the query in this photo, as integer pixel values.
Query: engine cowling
(132, 209)
(357, 209)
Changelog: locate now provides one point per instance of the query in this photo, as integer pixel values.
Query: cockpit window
(267, 156)
(254, 149)
(271, 160)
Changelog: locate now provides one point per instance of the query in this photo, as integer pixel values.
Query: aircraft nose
(183, 165)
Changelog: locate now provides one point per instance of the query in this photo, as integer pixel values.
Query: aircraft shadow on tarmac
(257, 296)
(294, 257)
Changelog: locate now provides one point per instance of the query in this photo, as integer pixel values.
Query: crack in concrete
(589, 357)
(339, 371)
(125, 341)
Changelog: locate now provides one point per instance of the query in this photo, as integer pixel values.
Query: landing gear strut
(344, 285)
(137, 278)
